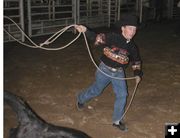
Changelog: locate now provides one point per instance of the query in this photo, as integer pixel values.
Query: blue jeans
(101, 82)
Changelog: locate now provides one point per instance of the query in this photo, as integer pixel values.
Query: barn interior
(49, 80)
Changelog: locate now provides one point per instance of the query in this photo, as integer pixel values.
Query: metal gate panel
(93, 13)
(48, 17)
(176, 10)
(43, 17)
(118, 7)
(14, 10)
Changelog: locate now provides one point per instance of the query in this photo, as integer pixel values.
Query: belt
(114, 69)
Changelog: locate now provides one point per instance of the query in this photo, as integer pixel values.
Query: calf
(32, 126)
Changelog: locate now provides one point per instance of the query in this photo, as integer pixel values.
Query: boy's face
(128, 31)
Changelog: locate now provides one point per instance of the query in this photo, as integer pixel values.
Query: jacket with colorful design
(117, 51)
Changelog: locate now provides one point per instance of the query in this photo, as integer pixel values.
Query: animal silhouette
(30, 125)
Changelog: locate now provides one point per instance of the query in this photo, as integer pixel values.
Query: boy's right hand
(80, 28)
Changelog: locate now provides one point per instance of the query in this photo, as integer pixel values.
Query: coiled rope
(57, 35)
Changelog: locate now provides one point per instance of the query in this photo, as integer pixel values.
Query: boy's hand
(138, 79)
(80, 28)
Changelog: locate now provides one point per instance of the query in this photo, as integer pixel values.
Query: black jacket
(119, 52)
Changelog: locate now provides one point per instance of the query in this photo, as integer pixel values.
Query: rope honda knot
(58, 34)
(45, 43)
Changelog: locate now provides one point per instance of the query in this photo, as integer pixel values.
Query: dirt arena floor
(50, 80)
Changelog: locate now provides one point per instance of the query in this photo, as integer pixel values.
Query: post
(119, 9)
(74, 10)
(78, 11)
(53, 9)
(21, 11)
(109, 13)
(140, 13)
(29, 18)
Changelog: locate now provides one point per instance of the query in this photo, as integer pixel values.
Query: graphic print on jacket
(117, 54)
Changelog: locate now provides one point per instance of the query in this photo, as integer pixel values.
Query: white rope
(128, 78)
(53, 38)
(57, 35)
(31, 46)
(89, 51)
(47, 42)
(19, 40)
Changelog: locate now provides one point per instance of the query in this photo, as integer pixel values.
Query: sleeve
(91, 35)
(136, 61)
(98, 38)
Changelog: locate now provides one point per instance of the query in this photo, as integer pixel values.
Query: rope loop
(53, 38)
(57, 35)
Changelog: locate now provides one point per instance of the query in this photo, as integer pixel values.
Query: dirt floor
(50, 80)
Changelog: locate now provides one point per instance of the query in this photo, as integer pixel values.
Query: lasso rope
(47, 42)
(57, 35)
